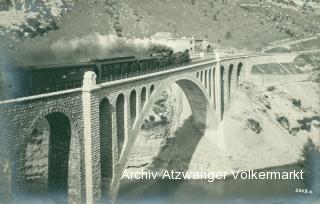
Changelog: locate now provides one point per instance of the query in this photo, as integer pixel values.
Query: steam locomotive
(33, 80)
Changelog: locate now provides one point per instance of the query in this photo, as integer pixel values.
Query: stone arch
(230, 70)
(120, 119)
(143, 97)
(106, 157)
(52, 156)
(239, 69)
(194, 91)
(133, 106)
(206, 79)
(199, 101)
(151, 89)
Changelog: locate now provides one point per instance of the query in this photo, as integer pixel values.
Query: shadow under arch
(186, 140)
(239, 70)
(230, 81)
(222, 90)
(106, 159)
(52, 160)
(199, 104)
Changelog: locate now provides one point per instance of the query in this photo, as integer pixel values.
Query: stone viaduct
(76, 143)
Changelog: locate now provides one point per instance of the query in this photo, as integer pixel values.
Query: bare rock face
(156, 131)
(24, 19)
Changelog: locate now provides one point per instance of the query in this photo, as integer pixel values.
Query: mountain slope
(242, 24)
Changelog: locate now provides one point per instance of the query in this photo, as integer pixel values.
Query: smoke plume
(93, 46)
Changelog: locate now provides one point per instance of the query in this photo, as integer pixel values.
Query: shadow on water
(177, 152)
(220, 191)
(176, 155)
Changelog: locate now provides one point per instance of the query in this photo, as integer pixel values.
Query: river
(227, 190)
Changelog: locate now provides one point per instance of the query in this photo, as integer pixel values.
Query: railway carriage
(49, 78)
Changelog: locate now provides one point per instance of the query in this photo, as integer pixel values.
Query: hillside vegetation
(242, 24)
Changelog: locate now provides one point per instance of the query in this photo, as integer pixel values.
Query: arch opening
(239, 68)
(229, 81)
(199, 105)
(222, 89)
(59, 144)
(205, 79)
(133, 107)
(52, 159)
(106, 158)
(120, 122)
(151, 89)
(143, 96)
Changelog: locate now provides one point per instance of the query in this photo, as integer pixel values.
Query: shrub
(164, 118)
(294, 130)
(228, 35)
(289, 32)
(305, 123)
(253, 125)
(215, 17)
(310, 162)
(151, 118)
(284, 122)
(267, 104)
(296, 102)
(271, 88)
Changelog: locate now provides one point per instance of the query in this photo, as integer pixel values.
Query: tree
(310, 162)
(215, 17)
(5, 4)
(228, 35)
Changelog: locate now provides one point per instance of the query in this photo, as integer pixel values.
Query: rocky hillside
(29, 18)
(256, 119)
(247, 23)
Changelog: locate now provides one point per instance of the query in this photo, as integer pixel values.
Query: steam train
(33, 80)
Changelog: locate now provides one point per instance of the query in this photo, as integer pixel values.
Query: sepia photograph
(160, 101)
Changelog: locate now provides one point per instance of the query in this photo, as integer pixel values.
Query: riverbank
(284, 116)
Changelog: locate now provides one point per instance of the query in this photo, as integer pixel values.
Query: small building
(196, 45)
